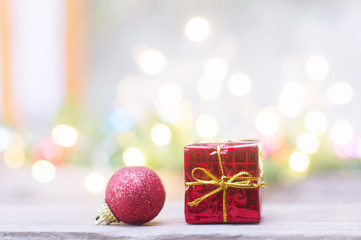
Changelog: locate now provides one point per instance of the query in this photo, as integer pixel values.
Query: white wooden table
(326, 206)
(280, 221)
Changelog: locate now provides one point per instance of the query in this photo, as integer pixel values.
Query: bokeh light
(170, 95)
(341, 132)
(5, 138)
(161, 134)
(43, 171)
(315, 122)
(186, 121)
(308, 143)
(64, 135)
(48, 150)
(317, 67)
(119, 120)
(291, 99)
(138, 50)
(206, 126)
(95, 182)
(133, 157)
(344, 151)
(340, 93)
(175, 114)
(267, 123)
(208, 90)
(197, 29)
(215, 69)
(17, 140)
(299, 162)
(14, 157)
(274, 143)
(152, 61)
(239, 84)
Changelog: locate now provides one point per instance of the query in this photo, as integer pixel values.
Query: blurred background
(88, 87)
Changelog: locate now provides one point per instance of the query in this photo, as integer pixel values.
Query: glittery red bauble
(135, 195)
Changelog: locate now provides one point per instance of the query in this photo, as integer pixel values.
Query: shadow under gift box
(243, 205)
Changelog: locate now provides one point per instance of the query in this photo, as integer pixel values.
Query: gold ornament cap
(105, 215)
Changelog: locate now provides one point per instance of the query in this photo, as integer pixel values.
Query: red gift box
(223, 181)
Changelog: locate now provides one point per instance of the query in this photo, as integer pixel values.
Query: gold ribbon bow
(239, 180)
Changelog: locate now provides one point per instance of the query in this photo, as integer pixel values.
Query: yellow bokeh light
(179, 114)
(340, 93)
(215, 69)
(299, 162)
(152, 61)
(308, 143)
(43, 171)
(317, 67)
(133, 157)
(197, 29)
(170, 95)
(208, 90)
(95, 182)
(18, 141)
(239, 84)
(14, 157)
(291, 99)
(64, 135)
(206, 126)
(161, 134)
(267, 123)
(316, 123)
(186, 120)
(341, 132)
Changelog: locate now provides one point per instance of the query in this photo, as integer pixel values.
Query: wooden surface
(326, 206)
(280, 221)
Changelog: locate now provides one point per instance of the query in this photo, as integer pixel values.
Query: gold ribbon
(243, 180)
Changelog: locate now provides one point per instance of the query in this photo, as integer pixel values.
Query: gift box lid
(237, 155)
(224, 143)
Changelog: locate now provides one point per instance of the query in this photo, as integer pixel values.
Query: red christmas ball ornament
(134, 195)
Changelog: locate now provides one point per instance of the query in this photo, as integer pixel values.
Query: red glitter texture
(135, 195)
(243, 205)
